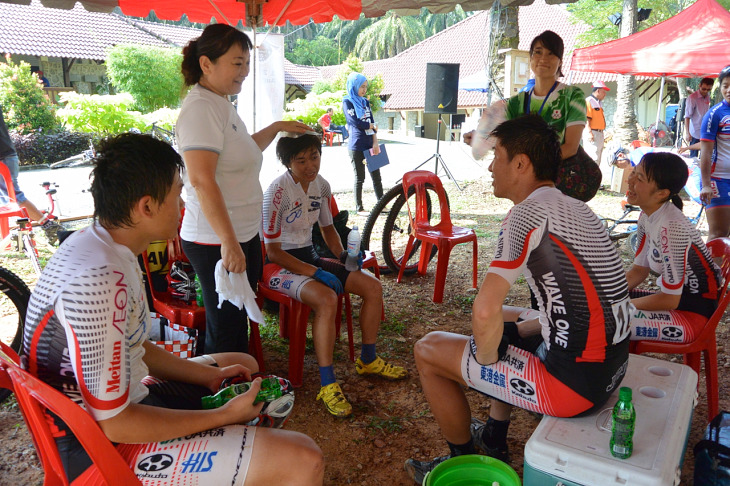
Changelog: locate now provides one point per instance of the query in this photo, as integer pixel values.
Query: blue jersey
(716, 128)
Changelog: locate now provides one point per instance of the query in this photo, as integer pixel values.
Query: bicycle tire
(375, 222)
(16, 295)
(396, 231)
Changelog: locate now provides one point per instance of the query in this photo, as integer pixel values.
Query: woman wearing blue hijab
(363, 134)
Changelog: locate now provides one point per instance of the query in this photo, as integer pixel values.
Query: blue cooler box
(574, 451)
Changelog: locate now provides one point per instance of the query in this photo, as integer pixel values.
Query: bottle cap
(625, 394)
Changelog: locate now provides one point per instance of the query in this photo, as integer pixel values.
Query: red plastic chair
(705, 346)
(293, 321)
(190, 314)
(328, 137)
(34, 398)
(11, 209)
(444, 234)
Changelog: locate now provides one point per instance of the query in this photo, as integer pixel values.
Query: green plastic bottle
(270, 390)
(198, 292)
(624, 421)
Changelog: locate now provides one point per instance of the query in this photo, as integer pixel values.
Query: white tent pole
(659, 105)
(253, 68)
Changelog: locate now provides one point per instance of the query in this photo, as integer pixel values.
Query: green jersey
(564, 107)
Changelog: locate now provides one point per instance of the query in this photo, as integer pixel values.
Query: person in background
(697, 105)
(563, 107)
(292, 204)
(715, 161)
(364, 135)
(325, 121)
(9, 157)
(689, 281)
(43, 79)
(563, 358)
(596, 117)
(222, 162)
(87, 335)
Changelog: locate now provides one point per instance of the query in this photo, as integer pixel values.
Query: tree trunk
(624, 120)
(504, 34)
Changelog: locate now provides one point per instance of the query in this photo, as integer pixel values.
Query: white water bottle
(353, 250)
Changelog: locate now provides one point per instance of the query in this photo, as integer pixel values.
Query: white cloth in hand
(492, 116)
(234, 287)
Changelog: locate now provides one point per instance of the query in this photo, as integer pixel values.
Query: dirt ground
(391, 420)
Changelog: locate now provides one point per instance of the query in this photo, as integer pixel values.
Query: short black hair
(667, 171)
(127, 168)
(532, 136)
(554, 43)
(707, 81)
(288, 147)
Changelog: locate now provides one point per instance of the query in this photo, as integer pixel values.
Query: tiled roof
(173, 34)
(77, 33)
(299, 75)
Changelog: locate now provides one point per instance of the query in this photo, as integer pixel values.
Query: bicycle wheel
(13, 305)
(371, 235)
(397, 229)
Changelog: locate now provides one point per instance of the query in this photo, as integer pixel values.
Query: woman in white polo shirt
(222, 161)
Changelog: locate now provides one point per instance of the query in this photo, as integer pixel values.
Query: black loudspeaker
(442, 88)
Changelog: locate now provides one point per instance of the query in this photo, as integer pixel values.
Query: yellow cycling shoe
(334, 400)
(381, 368)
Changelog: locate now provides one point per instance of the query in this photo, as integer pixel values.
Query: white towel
(234, 287)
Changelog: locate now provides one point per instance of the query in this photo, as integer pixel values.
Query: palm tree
(345, 32)
(389, 36)
(435, 23)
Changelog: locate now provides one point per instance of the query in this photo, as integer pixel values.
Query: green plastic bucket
(472, 470)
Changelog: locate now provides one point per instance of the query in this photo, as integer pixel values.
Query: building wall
(85, 75)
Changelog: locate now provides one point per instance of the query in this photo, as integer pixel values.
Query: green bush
(309, 109)
(150, 74)
(24, 102)
(339, 82)
(101, 115)
(45, 148)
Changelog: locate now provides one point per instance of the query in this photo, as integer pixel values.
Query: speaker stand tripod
(438, 159)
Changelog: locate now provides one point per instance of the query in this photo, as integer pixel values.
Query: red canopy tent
(693, 43)
(267, 12)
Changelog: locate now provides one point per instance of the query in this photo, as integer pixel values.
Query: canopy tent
(693, 43)
(275, 12)
(475, 82)
(266, 12)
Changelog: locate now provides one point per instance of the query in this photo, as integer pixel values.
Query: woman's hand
(376, 149)
(233, 258)
(293, 126)
(467, 137)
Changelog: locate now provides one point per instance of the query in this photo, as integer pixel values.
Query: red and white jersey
(672, 247)
(574, 271)
(289, 212)
(87, 320)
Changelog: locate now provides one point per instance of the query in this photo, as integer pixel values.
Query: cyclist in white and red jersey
(292, 204)
(563, 359)
(86, 335)
(689, 281)
(715, 161)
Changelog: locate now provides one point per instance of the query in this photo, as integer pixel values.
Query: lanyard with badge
(528, 99)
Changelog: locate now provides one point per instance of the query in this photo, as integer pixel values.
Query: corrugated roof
(34, 30)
